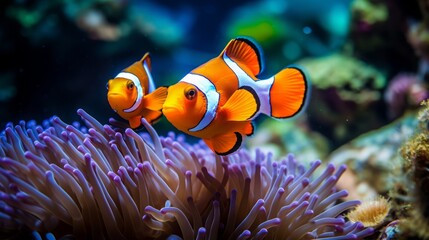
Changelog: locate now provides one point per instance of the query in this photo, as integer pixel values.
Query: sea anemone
(98, 182)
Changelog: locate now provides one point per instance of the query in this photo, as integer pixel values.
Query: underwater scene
(258, 119)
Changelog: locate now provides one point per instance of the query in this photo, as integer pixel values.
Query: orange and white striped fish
(132, 93)
(218, 100)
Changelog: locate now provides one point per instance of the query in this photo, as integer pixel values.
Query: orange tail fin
(288, 93)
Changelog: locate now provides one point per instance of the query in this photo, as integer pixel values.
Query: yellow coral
(371, 213)
(415, 153)
(423, 115)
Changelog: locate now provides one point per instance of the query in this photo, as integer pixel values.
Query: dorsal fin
(137, 68)
(142, 69)
(245, 51)
(147, 66)
(146, 58)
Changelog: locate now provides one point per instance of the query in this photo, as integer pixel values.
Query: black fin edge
(258, 50)
(255, 95)
(306, 92)
(236, 146)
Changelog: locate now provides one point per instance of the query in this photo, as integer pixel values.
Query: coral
(418, 37)
(96, 182)
(418, 34)
(370, 213)
(415, 153)
(369, 12)
(405, 91)
(373, 156)
(345, 97)
(354, 80)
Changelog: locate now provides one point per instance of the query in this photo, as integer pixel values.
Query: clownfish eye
(130, 85)
(191, 93)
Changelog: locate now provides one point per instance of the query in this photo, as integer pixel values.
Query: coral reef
(103, 181)
(93, 181)
(369, 12)
(373, 157)
(411, 194)
(354, 80)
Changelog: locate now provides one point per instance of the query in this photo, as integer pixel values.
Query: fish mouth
(117, 101)
(172, 109)
(114, 94)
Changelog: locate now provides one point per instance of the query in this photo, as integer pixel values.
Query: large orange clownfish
(132, 93)
(218, 100)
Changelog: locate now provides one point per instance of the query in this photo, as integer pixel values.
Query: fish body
(218, 100)
(132, 93)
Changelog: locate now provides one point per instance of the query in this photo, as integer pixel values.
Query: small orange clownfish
(132, 93)
(218, 100)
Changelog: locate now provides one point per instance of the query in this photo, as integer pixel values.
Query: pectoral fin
(242, 105)
(155, 100)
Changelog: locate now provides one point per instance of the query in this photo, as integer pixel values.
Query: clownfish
(132, 93)
(218, 100)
